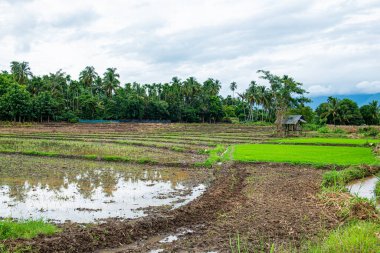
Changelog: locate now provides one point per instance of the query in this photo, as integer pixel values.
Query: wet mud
(264, 204)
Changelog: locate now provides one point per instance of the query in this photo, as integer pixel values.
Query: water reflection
(62, 190)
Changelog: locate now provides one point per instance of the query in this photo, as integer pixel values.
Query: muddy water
(80, 191)
(364, 188)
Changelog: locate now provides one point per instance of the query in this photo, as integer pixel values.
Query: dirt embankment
(264, 204)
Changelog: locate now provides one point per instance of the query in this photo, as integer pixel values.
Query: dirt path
(264, 204)
(276, 204)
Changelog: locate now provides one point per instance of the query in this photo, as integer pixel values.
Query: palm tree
(88, 76)
(20, 71)
(212, 87)
(333, 109)
(252, 98)
(261, 97)
(110, 81)
(191, 88)
(233, 87)
(243, 97)
(374, 109)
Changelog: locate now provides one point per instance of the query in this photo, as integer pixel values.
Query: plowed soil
(264, 204)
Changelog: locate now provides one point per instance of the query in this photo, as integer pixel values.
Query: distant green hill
(361, 99)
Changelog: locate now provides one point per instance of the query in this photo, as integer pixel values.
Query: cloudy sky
(332, 46)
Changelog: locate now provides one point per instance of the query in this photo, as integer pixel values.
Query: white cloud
(368, 87)
(330, 46)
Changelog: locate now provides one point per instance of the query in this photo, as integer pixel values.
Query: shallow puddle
(364, 188)
(82, 191)
(175, 237)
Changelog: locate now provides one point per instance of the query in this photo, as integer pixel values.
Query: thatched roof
(293, 120)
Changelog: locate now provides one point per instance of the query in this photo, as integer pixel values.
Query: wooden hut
(293, 123)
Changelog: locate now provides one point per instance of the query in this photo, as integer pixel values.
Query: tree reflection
(86, 178)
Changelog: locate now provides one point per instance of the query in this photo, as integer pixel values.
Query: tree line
(59, 97)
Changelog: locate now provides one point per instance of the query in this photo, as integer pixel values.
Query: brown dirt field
(264, 204)
(277, 205)
(138, 128)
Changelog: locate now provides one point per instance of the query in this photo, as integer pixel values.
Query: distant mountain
(360, 99)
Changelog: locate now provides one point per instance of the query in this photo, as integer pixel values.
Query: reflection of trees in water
(18, 192)
(86, 179)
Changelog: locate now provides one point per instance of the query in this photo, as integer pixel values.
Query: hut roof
(293, 119)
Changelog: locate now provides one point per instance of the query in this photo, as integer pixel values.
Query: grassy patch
(360, 236)
(303, 154)
(215, 155)
(90, 157)
(341, 141)
(115, 159)
(342, 177)
(377, 190)
(178, 149)
(361, 231)
(25, 229)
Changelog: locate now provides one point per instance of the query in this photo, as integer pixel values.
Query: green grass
(215, 155)
(377, 189)
(360, 236)
(355, 235)
(342, 177)
(303, 154)
(341, 141)
(25, 229)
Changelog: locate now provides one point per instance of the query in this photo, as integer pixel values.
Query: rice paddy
(173, 178)
(317, 155)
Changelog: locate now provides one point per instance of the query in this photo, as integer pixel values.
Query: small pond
(82, 191)
(364, 188)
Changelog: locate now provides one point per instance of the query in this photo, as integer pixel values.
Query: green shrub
(338, 131)
(311, 127)
(369, 131)
(323, 130)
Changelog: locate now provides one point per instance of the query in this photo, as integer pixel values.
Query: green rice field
(339, 141)
(318, 155)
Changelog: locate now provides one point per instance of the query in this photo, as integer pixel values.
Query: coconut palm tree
(110, 81)
(20, 71)
(88, 77)
(261, 98)
(233, 87)
(333, 110)
(252, 97)
(243, 97)
(374, 109)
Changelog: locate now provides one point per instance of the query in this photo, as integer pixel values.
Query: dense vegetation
(59, 97)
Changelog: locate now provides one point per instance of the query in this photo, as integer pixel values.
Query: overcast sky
(332, 46)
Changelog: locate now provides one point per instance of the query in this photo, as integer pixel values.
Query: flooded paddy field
(270, 198)
(159, 188)
(81, 191)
